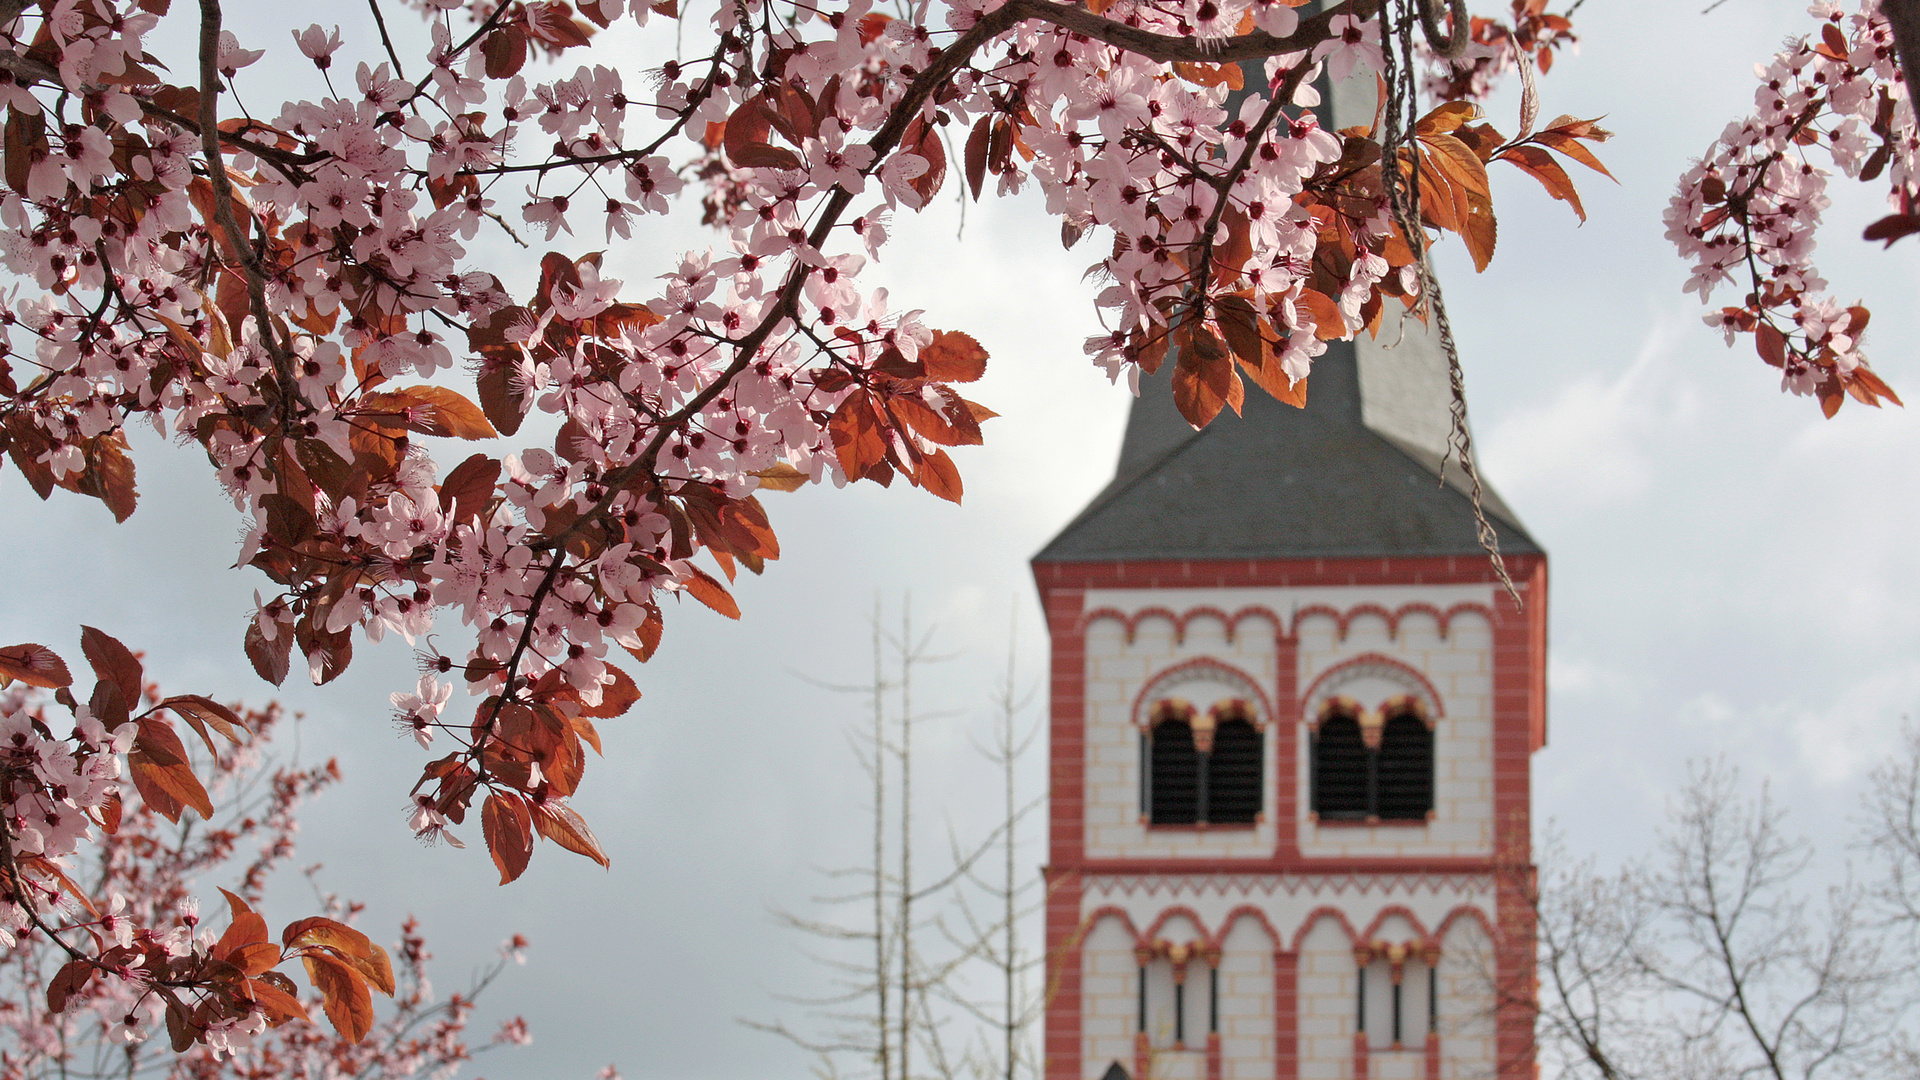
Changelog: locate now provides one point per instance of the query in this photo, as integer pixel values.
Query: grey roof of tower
(1278, 482)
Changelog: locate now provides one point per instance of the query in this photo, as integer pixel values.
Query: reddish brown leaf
(953, 357)
(167, 787)
(1148, 348)
(872, 25)
(923, 139)
(1479, 229)
(1482, 139)
(859, 436)
(1204, 381)
(319, 930)
(588, 734)
(275, 1002)
(377, 967)
(505, 50)
(509, 831)
(616, 698)
(552, 21)
(255, 957)
(745, 138)
(1831, 396)
(1227, 75)
(109, 474)
(344, 991)
(72, 978)
(1771, 344)
(271, 659)
(1833, 42)
(1240, 325)
(1232, 246)
(939, 475)
(26, 143)
(1893, 227)
(1328, 322)
(1570, 146)
(202, 713)
(736, 526)
(113, 663)
(1457, 161)
(950, 425)
(1447, 117)
(781, 477)
(649, 635)
(1868, 387)
(711, 593)
(976, 154)
(245, 926)
(558, 823)
(429, 410)
(35, 665)
(469, 487)
(1540, 165)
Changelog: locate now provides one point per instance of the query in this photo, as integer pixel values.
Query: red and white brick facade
(1283, 916)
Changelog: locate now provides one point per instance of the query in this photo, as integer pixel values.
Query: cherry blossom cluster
(138, 929)
(293, 290)
(1745, 216)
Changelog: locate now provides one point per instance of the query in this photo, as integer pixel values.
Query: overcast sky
(1731, 574)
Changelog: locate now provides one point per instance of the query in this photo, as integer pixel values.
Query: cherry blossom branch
(18, 886)
(223, 210)
(386, 42)
(290, 164)
(679, 123)
(748, 347)
(1167, 48)
(1225, 181)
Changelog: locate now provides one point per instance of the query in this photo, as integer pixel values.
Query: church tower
(1292, 718)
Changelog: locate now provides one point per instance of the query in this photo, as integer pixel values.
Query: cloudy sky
(1731, 574)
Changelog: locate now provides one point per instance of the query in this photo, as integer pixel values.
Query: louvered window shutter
(1175, 768)
(1406, 769)
(1233, 774)
(1340, 766)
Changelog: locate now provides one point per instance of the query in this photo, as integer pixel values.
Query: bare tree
(1781, 985)
(903, 971)
(1589, 929)
(1893, 831)
(1002, 1049)
(1726, 958)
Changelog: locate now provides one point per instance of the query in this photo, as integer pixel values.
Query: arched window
(1391, 780)
(1179, 1004)
(1342, 767)
(1234, 772)
(1203, 768)
(1405, 768)
(1174, 773)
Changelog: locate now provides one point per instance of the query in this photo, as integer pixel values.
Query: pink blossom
(318, 45)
